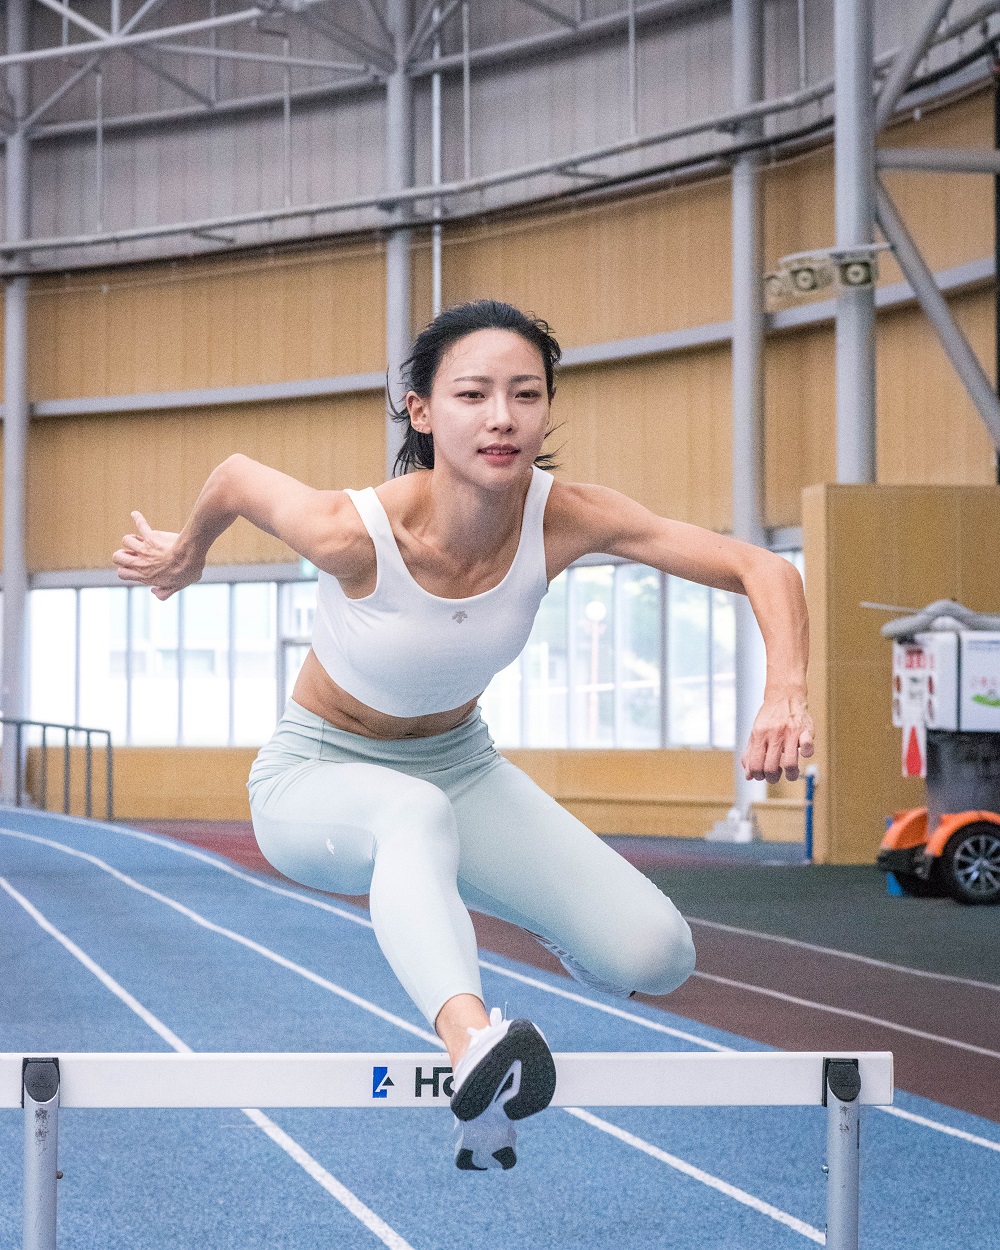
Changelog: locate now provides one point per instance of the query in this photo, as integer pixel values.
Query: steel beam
(940, 160)
(907, 59)
(747, 376)
(854, 166)
(398, 177)
(13, 668)
(69, 50)
(956, 345)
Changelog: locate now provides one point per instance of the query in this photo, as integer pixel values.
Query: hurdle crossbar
(41, 1084)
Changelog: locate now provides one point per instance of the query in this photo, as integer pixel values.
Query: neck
(464, 519)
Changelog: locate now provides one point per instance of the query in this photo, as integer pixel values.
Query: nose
(500, 417)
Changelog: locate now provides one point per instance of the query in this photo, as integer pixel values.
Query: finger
(132, 543)
(790, 757)
(142, 525)
(160, 593)
(772, 760)
(753, 759)
(806, 746)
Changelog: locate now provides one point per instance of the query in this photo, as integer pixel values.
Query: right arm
(316, 524)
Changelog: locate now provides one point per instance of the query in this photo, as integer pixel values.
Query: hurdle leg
(40, 1096)
(841, 1087)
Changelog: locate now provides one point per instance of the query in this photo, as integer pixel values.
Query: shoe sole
(523, 1043)
(505, 1157)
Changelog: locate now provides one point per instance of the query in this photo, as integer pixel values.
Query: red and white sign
(909, 689)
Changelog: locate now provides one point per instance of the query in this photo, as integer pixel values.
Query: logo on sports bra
(460, 617)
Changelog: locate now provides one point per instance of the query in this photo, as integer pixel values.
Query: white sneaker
(506, 1074)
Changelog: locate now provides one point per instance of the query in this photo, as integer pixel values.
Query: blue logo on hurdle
(381, 1081)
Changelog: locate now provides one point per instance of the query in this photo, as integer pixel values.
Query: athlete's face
(488, 408)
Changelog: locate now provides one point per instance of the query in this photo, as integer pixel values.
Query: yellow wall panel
(928, 428)
(86, 474)
(185, 325)
(800, 419)
(905, 545)
(658, 429)
(611, 271)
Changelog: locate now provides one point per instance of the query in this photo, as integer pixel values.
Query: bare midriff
(317, 692)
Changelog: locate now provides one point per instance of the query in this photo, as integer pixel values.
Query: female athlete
(381, 777)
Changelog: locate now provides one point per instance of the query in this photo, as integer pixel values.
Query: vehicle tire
(970, 863)
(917, 887)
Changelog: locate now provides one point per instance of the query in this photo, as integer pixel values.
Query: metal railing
(20, 786)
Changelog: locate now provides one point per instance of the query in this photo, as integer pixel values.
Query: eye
(534, 394)
(470, 394)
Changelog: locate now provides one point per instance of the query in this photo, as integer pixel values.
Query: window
(620, 655)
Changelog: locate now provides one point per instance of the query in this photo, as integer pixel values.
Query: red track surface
(938, 1070)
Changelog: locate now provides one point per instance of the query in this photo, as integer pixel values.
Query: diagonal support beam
(965, 361)
(907, 59)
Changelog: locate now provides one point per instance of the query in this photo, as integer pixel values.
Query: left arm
(595, 518)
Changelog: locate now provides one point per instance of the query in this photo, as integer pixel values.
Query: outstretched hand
(782, 731)
(154, 558)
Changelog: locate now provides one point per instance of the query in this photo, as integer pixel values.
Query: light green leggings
(430, 826)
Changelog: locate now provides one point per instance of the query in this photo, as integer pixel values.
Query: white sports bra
(406, 652)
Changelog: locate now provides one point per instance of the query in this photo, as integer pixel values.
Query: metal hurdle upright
(838, 1081)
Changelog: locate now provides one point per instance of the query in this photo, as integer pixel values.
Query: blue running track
(217, 958)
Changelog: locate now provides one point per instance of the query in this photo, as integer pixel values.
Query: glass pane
(53, 656)
(255, 663)
(723, 670)
(206, 665)
(102, 659)
(501, 706)
(637, 646)
(154, 668)
(687, 664)
(544, 671)
(592, 719)
(298, 610)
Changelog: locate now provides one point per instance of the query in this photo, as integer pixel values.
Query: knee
(418, 813)
(661, 955)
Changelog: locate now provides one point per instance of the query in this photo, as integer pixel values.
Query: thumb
(142, 525)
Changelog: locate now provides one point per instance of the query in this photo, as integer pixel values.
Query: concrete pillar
(398, 176)
(13, 669)
(854, 166)
(748, 379)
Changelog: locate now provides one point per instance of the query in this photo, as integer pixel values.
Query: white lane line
(852, 1015)
(374, 1223)
(706, 1178)
(942, 1128)
(611, 1011)
(105, 978)
(936, 1125)
(245, 876)
(249, 943)
(828, 950)
(313, 1168)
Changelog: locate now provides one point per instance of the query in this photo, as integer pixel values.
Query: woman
(382, 778)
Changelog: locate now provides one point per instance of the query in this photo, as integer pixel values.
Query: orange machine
(961, 857)
(946, 700)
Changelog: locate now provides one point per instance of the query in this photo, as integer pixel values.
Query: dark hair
(417, 451)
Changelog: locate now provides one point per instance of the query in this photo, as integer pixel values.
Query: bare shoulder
(581, 518)
(346, 550)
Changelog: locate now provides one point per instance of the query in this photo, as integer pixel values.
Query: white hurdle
(42, 1084)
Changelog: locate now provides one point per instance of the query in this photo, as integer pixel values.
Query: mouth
(499, 452)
